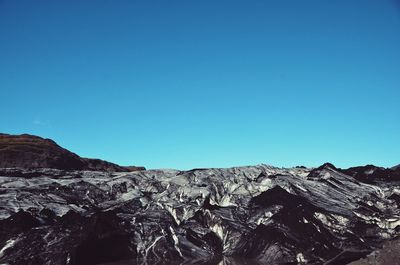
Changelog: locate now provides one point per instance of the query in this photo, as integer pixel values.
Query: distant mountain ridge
(366, 174)
(30, 151)
(396, 167)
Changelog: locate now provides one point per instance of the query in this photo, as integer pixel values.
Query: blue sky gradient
(187, 84)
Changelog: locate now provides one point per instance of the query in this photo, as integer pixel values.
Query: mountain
(371, 173)
(396, 167)
(243, 215)
(29, 151)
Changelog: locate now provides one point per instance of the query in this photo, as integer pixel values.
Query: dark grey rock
(245, 215)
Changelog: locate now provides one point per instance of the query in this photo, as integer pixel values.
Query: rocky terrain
(29, 151)
(246, 215)
(57, 208)
(388, 254)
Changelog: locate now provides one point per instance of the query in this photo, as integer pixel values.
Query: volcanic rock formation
(56, 210)
(244, 215)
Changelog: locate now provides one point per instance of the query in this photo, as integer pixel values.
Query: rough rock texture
(29, 151)
(245, 215)
(372, 174)
(388, 254)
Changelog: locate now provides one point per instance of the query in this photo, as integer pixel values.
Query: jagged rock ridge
(260, 214)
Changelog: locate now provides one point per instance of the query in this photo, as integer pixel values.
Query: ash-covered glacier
(243, 215)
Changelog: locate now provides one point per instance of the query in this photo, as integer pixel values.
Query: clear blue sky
(184, 84)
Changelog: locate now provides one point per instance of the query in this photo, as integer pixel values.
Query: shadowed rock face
(388, 254)
(246, 215)
(28, 151)
(367, 174)
(371, 173)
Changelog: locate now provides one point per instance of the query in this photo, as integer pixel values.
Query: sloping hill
(29, 151)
